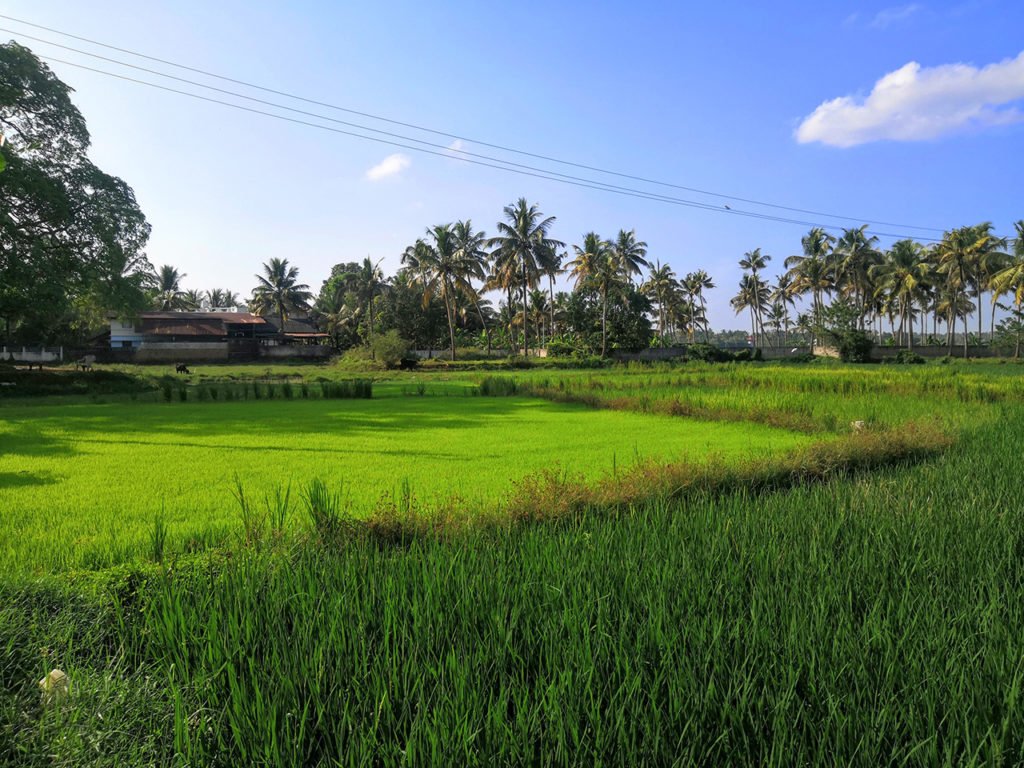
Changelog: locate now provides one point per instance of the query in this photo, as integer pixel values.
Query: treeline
(911, 287)
(439, 296)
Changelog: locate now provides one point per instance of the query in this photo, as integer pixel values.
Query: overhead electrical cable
(446, 153)
(414, 126)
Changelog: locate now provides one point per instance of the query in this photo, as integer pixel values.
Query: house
(187, 336)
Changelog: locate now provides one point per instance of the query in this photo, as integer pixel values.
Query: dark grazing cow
(408, 363)
(182, 368)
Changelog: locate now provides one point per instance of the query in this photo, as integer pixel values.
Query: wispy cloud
(389, 166)
(916, 103)
(896, 13)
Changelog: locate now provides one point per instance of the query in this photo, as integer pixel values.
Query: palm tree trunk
(965, 335)
(604, 321)
(551, 298)
(487, 332)
(992, 325)
(526, 320)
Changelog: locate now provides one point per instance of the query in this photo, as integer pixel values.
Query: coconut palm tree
(1010, 279)
(752, 296)
(990, 258)
(473, 261)
(813, 271)
(551, 267)
(783, 294)
(522, 242)
(220, 297)
(699, 282)
(856, 253)
(438, 262)
(660, 287)
(630, 253)
(754, 261)
(596, 265)
(192, 299)
(168, 288)
(902, 279)
(956, 256)
(279, 291)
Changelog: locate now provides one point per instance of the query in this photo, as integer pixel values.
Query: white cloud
(916, 103)
(457, 146)
(389, 166)
(888, 16)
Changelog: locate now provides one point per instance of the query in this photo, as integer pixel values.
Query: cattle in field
(408, 363)
(182, 368)
(85, 363)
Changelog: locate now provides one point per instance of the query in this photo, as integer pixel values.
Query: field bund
(83, 484)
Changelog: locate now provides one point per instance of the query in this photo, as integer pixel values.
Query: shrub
(907, 357)
(708, 353)
(389, 348)
(560, 348)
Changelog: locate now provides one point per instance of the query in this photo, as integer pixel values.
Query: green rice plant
(253, 522)
(498, 386)
(278, 506)
(328, 511)
(158, 539)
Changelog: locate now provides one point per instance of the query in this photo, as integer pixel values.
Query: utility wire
(414, 126)
(357, 125)
(588, 184)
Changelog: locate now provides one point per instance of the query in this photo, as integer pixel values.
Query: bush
(907, 357)
(803, 357)
(561, 348)
(708, 353)
(389, 348)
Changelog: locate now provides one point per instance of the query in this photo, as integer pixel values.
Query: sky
(908, 113)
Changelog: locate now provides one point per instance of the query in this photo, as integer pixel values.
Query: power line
(666, 198)
(358, 125)
(444, 133)
(588, 184)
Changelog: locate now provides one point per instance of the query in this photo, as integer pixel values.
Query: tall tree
(596, 264)
(167, 287)
(660, 287)
(812, 272)
(856, 253)
(473, 262)
(69, 233)
(630, 254)
(279, 291)
(522, 242)
(902, 278)
(956, 255)
(754, 261)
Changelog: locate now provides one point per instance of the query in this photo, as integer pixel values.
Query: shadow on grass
(25, 479)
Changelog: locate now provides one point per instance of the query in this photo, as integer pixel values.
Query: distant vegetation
(622, 296)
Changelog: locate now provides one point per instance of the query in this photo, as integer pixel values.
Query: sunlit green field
(871, 613)
(83, 484)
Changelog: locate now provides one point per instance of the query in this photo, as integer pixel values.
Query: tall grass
(871, 619)
(859, 602)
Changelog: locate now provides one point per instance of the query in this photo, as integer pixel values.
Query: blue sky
(780, 102)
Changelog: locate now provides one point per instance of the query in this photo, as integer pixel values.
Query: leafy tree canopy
(71, 236)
